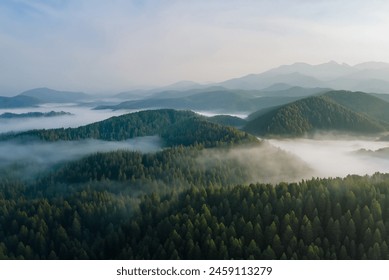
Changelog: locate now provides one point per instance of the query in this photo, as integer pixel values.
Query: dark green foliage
(176, 168)
(123, 127)
(178, 204)
(227, 120)
(194, 131)
(84, 225)
(310, 220)
(318, 113)
(362, 102)
(316, 219)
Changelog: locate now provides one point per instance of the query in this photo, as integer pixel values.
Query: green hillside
(312, 114)
(175, 127)
(362, 102)
(227, 120)
(197, 131)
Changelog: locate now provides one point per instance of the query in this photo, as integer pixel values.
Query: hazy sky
(96, 45)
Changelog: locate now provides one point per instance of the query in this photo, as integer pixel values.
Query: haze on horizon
(98, 46)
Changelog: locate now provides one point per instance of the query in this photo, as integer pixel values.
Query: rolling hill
(175, 127)
(361, 102)
(228, 120)
(312, 114)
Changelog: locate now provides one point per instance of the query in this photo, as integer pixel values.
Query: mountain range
(367, 77)
(219, 99)
(286, 80)
(38, 96)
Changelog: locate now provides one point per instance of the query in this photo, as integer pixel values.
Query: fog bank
(333, 158)
(263, 163)
(80, 116)
(37, 156)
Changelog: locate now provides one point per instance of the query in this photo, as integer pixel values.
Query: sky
(100, 46)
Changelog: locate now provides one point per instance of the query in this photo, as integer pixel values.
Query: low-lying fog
(80, 116)
(211, 114)
(333, 158)
(36, 156)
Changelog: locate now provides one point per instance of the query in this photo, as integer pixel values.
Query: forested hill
(176, 127)
(361, 102)
(313, 114)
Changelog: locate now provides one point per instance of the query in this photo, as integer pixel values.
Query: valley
(287, 170)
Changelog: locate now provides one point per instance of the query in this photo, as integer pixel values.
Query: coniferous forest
(192, 199)
(314, 219)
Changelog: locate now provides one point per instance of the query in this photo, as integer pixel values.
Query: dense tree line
(316, 219)
(197, 131)
(175, 168)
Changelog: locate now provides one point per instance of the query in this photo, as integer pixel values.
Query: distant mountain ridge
(18, 102)
(218, 99)
(372, 77)
(38, 96)
(47, 95)
(368, 77)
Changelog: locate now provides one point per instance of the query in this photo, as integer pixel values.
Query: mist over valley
(145, 174)
(336, 158)
(80, 115)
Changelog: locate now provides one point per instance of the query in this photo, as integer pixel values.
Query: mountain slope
(19, 101)
(309, 115)
(47, 95)
(295, 92)
(367, 77)
(228, 120)
(324, 71)
(175, 127)
(220, 100)
(362, 103)
(266, 79)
